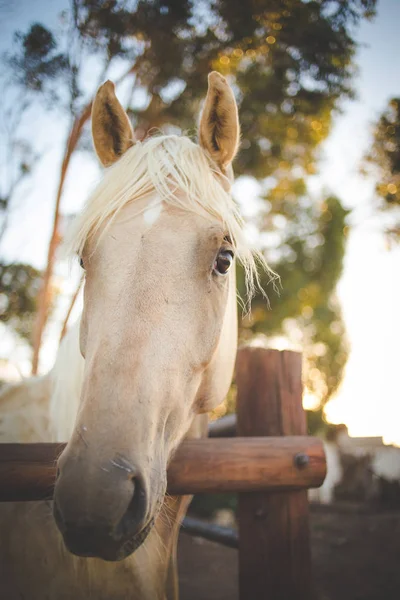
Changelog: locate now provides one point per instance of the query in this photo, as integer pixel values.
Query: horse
(153, 353)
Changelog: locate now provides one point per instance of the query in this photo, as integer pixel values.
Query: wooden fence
(270, 464)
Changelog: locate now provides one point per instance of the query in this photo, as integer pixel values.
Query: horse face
(152, 326)
(158, 334)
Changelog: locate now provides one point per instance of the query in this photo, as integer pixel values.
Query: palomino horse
(158, 334)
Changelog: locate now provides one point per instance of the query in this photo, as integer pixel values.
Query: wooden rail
(27, 471)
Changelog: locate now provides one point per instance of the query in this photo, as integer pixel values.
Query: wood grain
(27, 471)
(274, 544)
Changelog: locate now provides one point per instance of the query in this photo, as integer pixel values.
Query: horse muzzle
(88, 540)
(106, 515)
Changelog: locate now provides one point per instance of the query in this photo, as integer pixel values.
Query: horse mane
(66, 379)
(167, 165)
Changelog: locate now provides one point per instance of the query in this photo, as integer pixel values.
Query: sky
(369, 398)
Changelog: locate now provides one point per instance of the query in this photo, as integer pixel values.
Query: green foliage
(385, 154)
(19, 287)
(383, 159)
(290, 60)
(38, 60)
(309, 257)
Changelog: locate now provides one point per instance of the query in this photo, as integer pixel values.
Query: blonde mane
(168, 165)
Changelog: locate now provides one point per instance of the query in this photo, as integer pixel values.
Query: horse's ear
(111, 129)
(219, 122)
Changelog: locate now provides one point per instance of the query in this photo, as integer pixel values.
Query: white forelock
(183, 175)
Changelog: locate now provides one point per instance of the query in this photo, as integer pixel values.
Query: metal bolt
(301, 460)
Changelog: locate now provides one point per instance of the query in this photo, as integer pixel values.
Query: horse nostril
(134, 516)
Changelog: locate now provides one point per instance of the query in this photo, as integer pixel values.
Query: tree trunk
(44, 294)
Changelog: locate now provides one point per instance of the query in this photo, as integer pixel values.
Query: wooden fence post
(274, 542)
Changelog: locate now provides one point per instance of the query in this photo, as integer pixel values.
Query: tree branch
(71, 306)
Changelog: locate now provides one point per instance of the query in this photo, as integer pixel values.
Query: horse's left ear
(219, 123)
(111, 129)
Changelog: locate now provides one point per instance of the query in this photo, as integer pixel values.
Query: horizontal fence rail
(225, 426)
(227, 536)
(27, 471)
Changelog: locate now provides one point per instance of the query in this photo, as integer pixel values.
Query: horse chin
(110, 552)
(134, 543)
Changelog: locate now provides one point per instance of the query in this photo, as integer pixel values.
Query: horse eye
(223, 262)
(81, 262)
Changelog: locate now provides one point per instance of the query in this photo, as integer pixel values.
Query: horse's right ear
(111, 129)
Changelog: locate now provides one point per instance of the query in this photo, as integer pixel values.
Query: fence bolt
(301, 460)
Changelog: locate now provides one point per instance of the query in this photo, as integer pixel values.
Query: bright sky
(369, 398)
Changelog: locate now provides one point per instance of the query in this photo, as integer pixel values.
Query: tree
(290, 63)
(383, 159)
(19, 286)
(311, 251)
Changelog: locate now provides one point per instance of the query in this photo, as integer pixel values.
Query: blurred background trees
(383, 160)
(19, 283)
(19, 287)
(290, 63)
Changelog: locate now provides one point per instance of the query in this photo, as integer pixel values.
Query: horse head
(158, 241)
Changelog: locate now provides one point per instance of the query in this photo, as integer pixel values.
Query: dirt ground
(356, 556)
